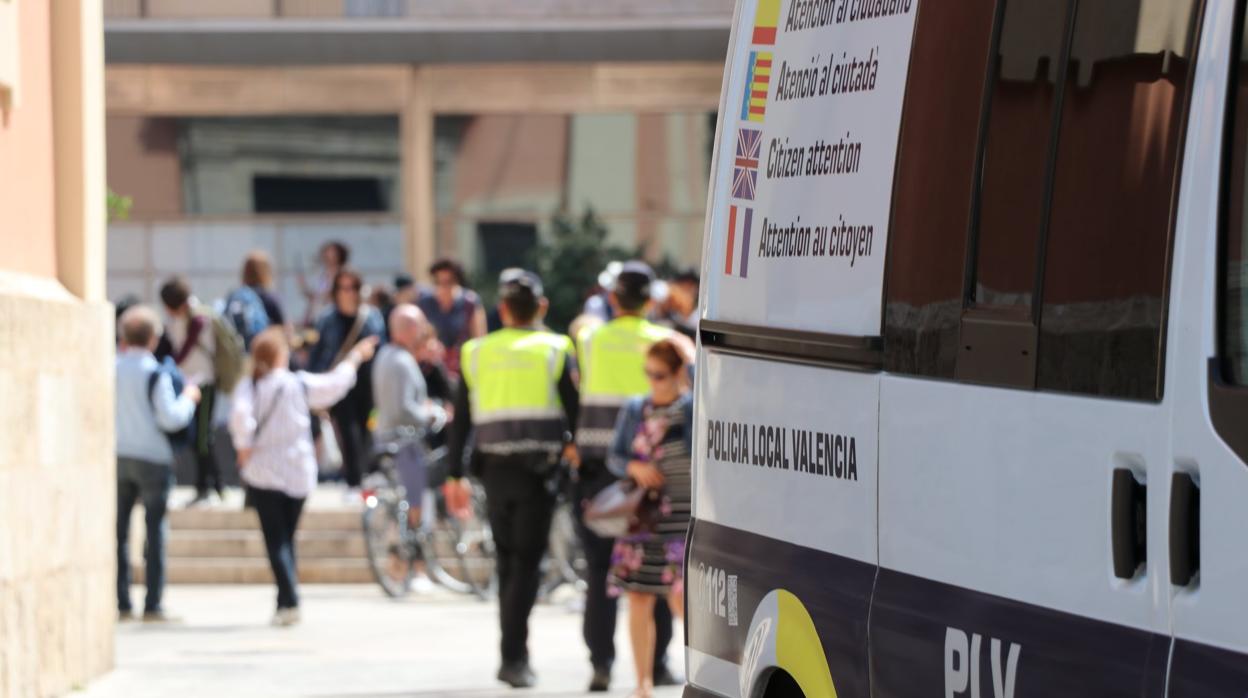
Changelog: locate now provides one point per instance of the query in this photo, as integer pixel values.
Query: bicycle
(458, 553)
(564, 562)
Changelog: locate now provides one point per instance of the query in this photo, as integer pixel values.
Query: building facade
(408, 129)
(57, 482)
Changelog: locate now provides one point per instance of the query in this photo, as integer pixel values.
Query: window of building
(505, 245)
(277, 194)
(934, 184)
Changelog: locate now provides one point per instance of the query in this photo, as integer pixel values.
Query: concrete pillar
(419, 214)
(78, 131)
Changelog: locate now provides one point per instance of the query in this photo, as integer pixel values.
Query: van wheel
(781, 685)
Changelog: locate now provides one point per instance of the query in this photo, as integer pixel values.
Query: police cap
(521, 280)
(634, 280)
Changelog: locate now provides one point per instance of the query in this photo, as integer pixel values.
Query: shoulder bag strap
(194, 328)
(255, 436)
(352, 337)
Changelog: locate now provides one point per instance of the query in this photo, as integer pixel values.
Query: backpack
(184, 437)
(230, 358)
(245, 310)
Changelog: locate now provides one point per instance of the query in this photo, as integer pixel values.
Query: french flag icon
(737, 254)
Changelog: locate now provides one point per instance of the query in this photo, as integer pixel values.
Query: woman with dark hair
(270, 425)
(332, 257)
(652, 446)
(456, 312)
(338, 329)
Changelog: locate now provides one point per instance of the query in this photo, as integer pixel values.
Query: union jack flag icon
(745, 174)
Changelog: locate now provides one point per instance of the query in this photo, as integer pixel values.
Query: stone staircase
(222, 544)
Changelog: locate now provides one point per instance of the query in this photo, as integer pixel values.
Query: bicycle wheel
(460, 553)
(440, 544)
(564, 562)
(385, 539)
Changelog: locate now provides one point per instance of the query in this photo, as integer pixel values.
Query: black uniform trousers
(520, 505)
(601, 608)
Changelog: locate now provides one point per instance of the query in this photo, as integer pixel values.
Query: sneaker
(159, 616)
(422, 584)
(517, 675)
(286, 617)
(601, 681)
(125, 616)
(205, 499)
(200, 500)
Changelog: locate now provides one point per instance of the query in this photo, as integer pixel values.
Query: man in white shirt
(193, 347)
(146, 411)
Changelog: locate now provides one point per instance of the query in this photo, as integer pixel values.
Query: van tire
(781, 685)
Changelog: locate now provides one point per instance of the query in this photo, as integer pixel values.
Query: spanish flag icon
(757, 84)
(766, 22)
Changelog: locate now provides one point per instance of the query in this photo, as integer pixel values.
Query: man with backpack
(148, 409)
(210, 353)
(251, 308)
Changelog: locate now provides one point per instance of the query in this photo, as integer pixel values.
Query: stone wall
(57, 488)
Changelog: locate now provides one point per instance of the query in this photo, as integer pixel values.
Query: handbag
(328, 452)
(616, 510)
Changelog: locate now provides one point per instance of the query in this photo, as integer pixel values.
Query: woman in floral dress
(652, 447)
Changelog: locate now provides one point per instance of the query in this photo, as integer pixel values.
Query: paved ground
(353, 643)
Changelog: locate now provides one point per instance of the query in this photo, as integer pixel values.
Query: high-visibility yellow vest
(612, 362)
(513, 380)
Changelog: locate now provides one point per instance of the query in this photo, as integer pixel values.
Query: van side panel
(785, 481)
(995, 523)
(835, 590)
(943, 634)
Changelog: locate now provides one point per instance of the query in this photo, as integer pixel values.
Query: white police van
(973, 379)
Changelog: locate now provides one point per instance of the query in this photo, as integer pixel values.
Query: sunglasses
(656, 376)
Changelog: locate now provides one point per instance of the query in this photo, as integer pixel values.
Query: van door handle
(1184, 529)
(1129, 518)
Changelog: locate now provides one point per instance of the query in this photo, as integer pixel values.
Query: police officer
(519, 393)
(612, 364)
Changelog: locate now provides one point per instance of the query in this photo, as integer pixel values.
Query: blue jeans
(150, 482)
(279, 520)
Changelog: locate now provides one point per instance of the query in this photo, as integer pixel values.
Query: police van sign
(811, 116)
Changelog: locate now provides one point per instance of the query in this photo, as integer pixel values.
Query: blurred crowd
(297, 402)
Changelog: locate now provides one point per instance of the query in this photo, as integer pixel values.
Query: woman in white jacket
(270, 424)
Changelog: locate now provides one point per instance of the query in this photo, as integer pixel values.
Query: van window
(1016, 151)
(1046, 205)
(1235, 282)
(1235, 350)
(1113, 196)
(934, 187)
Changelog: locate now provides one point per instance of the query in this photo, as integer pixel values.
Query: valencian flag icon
(740, 220)
(766, 22)
(758, 79)
(745, 174)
